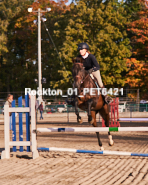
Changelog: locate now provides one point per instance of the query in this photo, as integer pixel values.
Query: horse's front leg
(79, 119)
(104, 112)
(111, 142)
(90, 118)
(93, 113)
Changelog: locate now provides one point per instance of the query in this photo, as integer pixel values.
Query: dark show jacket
(90, 62)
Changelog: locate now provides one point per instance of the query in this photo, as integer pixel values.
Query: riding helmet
(83, 45)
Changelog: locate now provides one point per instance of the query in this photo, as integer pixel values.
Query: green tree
(101, 25)
(8, 11)
(132, 7)
(21, 69)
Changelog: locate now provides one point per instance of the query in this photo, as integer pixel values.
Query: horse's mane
(78, 68)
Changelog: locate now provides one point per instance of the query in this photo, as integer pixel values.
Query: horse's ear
(73, 60)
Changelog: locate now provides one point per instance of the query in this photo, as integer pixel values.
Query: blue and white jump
(105, 152)
(33, 142)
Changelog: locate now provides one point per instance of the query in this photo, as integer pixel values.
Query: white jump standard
(33, 143)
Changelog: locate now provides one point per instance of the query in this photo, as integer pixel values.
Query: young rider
(91, 65)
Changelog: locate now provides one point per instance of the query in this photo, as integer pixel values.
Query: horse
(92, 103)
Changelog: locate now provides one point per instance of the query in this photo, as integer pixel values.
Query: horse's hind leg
(93, 114)
(104, 112)
(79, 119)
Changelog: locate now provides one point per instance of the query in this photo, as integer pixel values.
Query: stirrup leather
(91, 75)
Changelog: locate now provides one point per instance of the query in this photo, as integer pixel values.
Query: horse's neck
(88, 82)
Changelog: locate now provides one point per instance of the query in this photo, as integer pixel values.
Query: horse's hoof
(80, 121)
(101, 148)
(91, 122)
(111, 143)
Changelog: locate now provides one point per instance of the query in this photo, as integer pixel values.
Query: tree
(139, 40)
(102, 26)
(137, 76)
(132, 7)
(8, 9)
(138, 65)
(20, 69)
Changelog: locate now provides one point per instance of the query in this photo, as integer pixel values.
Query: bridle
(78, 76)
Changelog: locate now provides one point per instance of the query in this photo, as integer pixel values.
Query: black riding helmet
(83, 45)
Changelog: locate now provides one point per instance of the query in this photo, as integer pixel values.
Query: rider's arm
(96, 66)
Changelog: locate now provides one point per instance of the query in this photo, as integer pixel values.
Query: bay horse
(92, 103)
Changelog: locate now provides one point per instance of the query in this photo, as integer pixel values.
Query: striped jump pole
(94, 129)
(133, 119)
(105, 152)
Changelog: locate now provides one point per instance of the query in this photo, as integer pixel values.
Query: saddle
(93, 77)
(107, 99)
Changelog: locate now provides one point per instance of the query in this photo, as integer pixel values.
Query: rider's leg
(98, 77)
(108, 99)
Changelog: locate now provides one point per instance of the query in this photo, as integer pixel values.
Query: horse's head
(78, 71)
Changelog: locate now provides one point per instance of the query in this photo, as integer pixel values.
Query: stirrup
(108, 99)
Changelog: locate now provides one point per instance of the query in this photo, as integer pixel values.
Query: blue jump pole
(20, 123)
(13, 126)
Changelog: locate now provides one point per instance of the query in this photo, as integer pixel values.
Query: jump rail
(133, 119)
(105, 152)
(94, 129)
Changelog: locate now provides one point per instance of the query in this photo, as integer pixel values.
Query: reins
(78, 76)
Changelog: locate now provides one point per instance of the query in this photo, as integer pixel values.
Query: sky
(69, 1)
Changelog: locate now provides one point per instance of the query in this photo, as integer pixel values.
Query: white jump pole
(133, 119)
(94, 129)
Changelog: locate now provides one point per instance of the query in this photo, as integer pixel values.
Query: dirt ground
(64, 168)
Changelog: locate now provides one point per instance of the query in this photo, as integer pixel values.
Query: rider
(91, 65)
